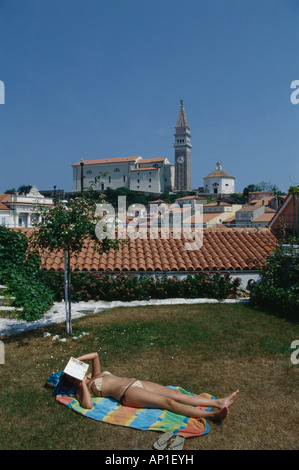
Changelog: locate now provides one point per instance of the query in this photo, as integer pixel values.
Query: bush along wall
(20, 272)
(96, 286)
(278, 291)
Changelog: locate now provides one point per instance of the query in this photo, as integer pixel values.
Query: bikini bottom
(134, 383)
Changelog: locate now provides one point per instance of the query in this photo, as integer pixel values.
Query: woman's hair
(68, 381)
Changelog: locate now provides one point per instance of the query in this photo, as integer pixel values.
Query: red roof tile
(222, 249)
(108, 160)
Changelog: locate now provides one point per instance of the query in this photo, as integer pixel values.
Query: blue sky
(101, 79)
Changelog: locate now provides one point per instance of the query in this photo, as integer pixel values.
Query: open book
(76, 368)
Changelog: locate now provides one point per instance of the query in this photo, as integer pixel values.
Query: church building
(219, 182)
(149, 175)
(182, 148)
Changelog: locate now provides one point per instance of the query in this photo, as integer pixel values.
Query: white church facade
(151, 175)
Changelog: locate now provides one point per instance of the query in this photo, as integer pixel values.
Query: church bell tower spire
(182, 147)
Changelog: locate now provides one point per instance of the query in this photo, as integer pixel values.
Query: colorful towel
(110, 411)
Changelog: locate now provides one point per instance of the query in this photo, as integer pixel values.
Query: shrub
(278, 291)
(30, 293)
(97, 286)
(19, 271)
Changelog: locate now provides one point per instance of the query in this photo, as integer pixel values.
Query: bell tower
(182, 147)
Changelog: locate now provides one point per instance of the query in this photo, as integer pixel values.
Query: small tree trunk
(69, 289)
(66, 292)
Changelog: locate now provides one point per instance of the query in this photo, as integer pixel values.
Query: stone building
(22, 210)
(219, 182)
(182, 146)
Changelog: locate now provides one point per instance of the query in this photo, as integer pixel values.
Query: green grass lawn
(214, 348)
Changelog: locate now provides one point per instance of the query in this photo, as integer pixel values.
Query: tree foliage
(67, 227)
(262, 186)
(20, 273)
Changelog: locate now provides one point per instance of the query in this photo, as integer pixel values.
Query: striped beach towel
(110, 411)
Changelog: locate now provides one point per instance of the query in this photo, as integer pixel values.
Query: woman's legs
(194, 400)
(155, 396)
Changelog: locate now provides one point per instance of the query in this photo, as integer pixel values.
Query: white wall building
(151, 175)
(219, 182)
(21, 210)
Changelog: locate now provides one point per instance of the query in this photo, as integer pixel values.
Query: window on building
(116, 169)
(109, 179)
(124, 178)
(150, 180)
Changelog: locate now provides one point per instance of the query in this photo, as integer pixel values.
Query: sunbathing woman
(143, 394)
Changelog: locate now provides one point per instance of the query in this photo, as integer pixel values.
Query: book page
(76, 368)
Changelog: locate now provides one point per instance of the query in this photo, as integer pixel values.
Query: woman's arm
(83, 395)
(94, 357)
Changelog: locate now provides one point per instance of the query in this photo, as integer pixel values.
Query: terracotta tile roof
(152, 160)
(222, 249)
(188, 197)
(207, 216)
(263, 200)
(266, 217)
(158, 201)
(250, 208)
(5, 198)
(215, 204)
(219, 174)
(108, 160)
(3, 207)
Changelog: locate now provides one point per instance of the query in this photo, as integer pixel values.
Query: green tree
(23, 189)
(67, 226)
(20, 273)
(262, 186)
(10, 191)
